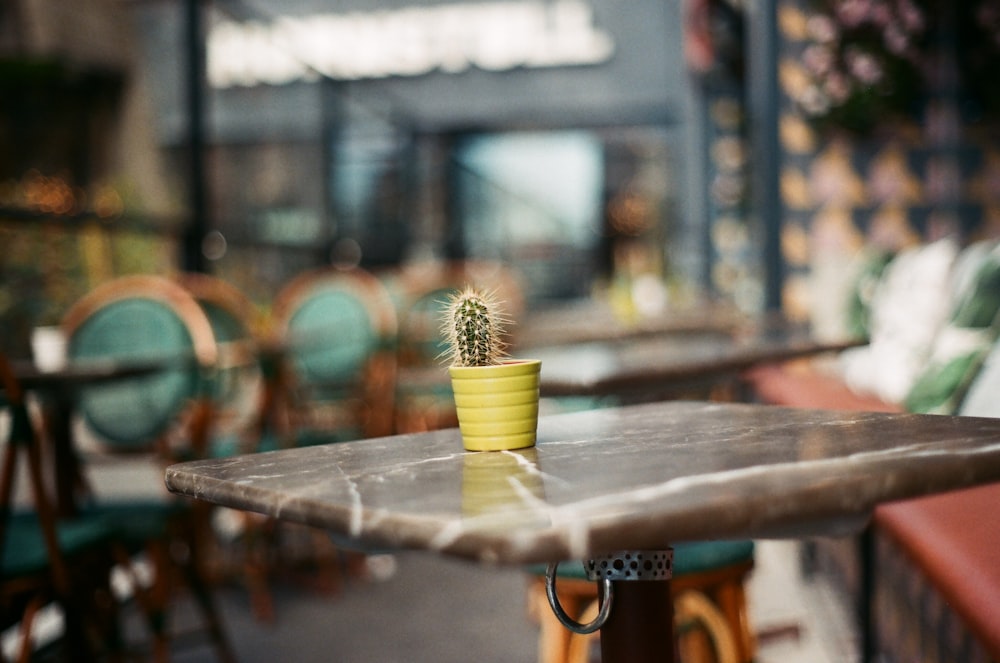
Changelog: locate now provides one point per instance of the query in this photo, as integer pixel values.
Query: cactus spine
(473, 327)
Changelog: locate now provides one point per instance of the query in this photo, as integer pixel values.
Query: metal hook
(566, 620)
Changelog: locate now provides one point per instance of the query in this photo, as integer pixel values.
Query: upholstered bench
(953, 540)
(801, 386)
(937, 578)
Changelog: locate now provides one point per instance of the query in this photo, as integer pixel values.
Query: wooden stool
(710, 614)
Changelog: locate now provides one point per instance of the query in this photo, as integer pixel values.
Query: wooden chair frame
(197, 421)
(83, 593)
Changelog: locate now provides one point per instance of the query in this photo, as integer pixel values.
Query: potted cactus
(496, 397)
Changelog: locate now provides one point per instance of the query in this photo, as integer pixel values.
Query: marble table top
(89, 372)
(637, 477)
(646, 364)
(594, 320)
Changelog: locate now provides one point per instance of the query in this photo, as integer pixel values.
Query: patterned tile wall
(907, 180)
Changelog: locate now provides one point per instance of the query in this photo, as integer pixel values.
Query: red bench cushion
(802, 388)
(954, 538)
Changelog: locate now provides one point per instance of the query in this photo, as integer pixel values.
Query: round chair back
(235, 387)
(338, 332)
(332, 323)
(140, 319)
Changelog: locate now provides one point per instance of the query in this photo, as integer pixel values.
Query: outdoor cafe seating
(44, 557)
(231, 381)
(225, 386)
(156, 419)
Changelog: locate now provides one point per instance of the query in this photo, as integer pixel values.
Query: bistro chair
(337, 330)
(45, 560)
(424, 400)
(710, 607)
(144, 424)
(239, 390)
(332, 344)
(236, 388)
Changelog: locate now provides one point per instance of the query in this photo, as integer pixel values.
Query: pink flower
(818, 60)
(895, 39)
(910, 16)
(880, 14)
(814, 101)
(863, 66)
(822, 28)
(853, 12)
(837, 87)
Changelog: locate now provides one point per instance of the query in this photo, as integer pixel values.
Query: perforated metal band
(632, 565)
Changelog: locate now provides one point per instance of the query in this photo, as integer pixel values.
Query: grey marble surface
(638, 477)
(645, 364)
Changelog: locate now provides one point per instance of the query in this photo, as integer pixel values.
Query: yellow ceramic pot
(497, 405)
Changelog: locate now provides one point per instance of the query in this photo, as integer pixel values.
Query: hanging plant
(978, 55)
(862, 62)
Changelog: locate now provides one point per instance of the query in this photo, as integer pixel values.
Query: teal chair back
(151, 319)
(140, 319)
(421, 293)
(338, 330)
(422, 342)
(236, 387)
(331, 336)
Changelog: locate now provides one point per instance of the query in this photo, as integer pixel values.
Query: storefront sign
(493, 36)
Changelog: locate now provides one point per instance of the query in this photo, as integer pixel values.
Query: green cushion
(309, 438)
(224, 446)
(700, 556)
(134, 412)
(137, 521)
(24, 548)
(689, 558)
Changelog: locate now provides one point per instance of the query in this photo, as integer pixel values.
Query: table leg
(58, 415)
(636, 618)
(640, 626)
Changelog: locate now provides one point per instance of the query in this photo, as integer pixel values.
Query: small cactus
(473, 328)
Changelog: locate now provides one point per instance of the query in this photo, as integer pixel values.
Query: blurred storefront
(378, 134)
(567, 137)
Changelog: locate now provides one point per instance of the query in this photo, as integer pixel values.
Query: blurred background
(679, 149)
(651, 156)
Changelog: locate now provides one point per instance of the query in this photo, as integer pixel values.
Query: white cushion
(983, 397)
(911, 303)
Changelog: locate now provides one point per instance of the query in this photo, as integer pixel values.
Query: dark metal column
(640, 627)
(636, 616)
(762, 100)
(192, 258)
